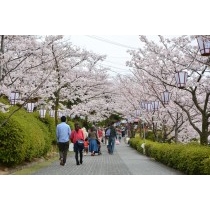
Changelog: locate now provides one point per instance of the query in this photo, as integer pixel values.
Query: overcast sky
(114, 47)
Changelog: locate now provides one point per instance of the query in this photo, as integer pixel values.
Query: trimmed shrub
(25, 136)
(49, 123)
(133, 143)
(12, 146)
(189, 158)
(205, 166)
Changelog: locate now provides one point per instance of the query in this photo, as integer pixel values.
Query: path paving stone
(124, 161)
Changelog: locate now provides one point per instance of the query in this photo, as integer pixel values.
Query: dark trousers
(63, 150)
(78, 149)
(111, 144)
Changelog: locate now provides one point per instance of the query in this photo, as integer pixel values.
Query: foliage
(49, 124)
(4, 99)
(24, 137)
(189, 158)
(70, 77)
(115, 117)
(12, 142)
(133, 143)
(150, 135)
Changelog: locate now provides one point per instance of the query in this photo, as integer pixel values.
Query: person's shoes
(81, 161)
(77, 162)
(61, 162)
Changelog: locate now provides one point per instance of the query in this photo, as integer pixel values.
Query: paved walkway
(124, 161)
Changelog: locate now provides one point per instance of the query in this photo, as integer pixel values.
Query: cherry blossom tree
(22, 61)
(160, 61)
(56, 72)
(77, 79)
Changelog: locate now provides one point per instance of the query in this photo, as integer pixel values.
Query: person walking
(63, 132)
(103, 136)
(77, 138)
(85, 133)
(112, 137)
(92, 137)
(107, 134)
(123, 132)
(100, 134)
(119, 133)
(86, 145)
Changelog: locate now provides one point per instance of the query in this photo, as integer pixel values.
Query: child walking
(86, 145)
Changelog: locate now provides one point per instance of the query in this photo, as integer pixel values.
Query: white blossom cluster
(74, 80)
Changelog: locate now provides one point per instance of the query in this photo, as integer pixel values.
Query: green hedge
(191, 159)
(25, 136)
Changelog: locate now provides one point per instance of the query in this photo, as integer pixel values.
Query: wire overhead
(111, 42)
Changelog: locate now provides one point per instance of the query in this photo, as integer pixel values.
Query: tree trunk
(57, 93)
(56, 107)
(204, 133)
(204, 138)
(1, 53)
(140, 131)
(176, 128)
(164, 132)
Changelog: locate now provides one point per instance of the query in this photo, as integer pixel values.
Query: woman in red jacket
(77, 138)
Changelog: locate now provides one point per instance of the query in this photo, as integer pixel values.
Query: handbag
(117, 142)
(80, 142)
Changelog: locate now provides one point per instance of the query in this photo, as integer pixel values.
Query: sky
(114, 46)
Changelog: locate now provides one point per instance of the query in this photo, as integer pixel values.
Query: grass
(35, 167)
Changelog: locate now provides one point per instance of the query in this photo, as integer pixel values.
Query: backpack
(108, 131)
(112, 131)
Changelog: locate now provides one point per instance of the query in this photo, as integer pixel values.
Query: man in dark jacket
(112, 137)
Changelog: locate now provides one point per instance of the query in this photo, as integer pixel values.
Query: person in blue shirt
(63, 132)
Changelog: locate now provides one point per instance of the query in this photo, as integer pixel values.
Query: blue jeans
(111, 144)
